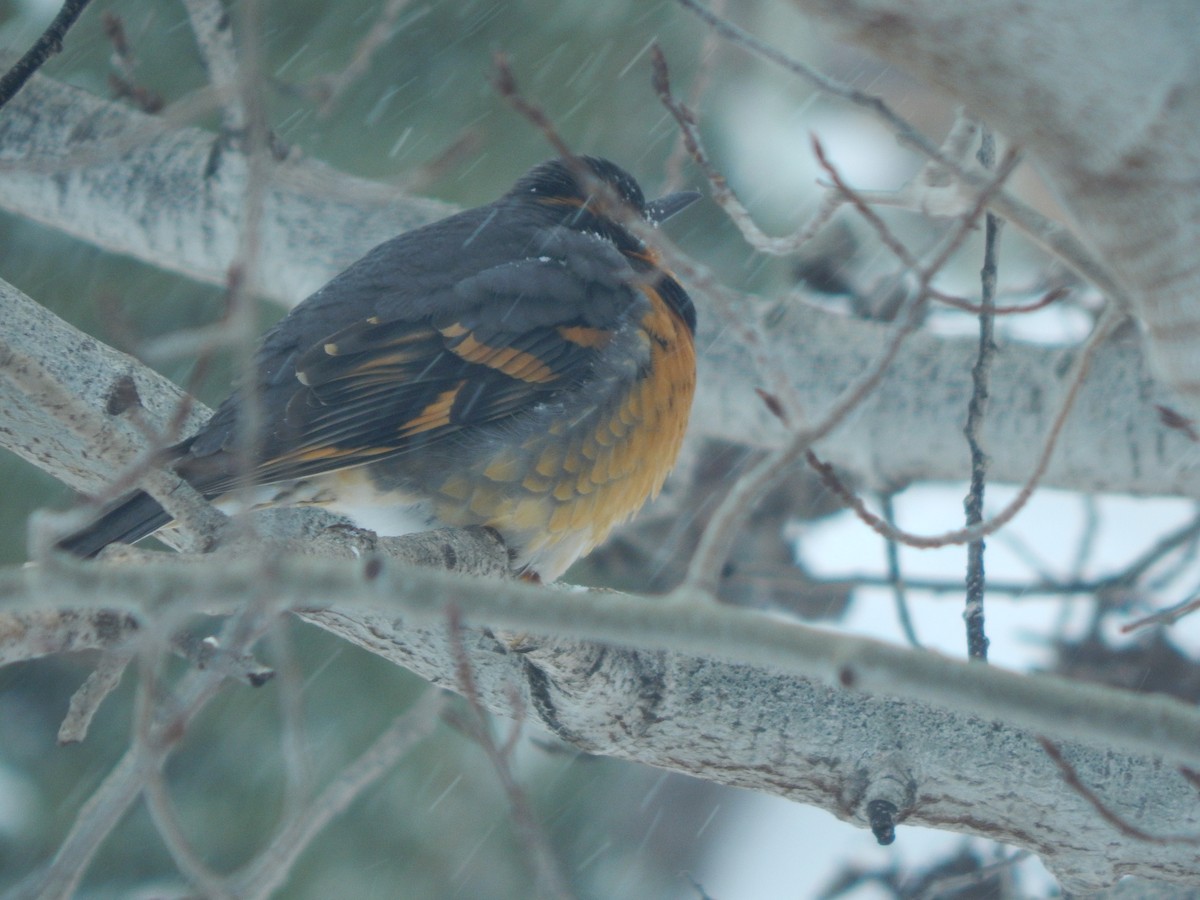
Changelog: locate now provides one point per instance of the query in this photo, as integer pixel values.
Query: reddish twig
(967, 306)
(505, 84)
(722, 193)
(1049, 234)
(717, 539)
(829, 478)
(329, 88)
(1071, 777)
(1168, 616)
(123, 82)
(548, 876)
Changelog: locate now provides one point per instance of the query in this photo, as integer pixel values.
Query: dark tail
(132, 519)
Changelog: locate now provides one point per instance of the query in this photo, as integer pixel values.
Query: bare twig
(109, 802)
(1071, 777)
(706, 57)
(548, 877)
(1050, 234)
(263, 876)
(977, 642)
(123, 81)
(606, 199)
(329, 88)
(717, 540)
(48, 44)
(1168, 616)
(896, 579)
(1047, 299)
(505, 84)
(1104, 328)
(171, 831)
(1153, 554)
(102, 681)
(722, 193)
(242, 302)
(293, 744)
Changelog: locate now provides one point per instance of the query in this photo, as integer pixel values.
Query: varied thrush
(527, 365)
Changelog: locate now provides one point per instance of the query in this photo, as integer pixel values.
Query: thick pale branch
(171, 195)
(744, 699)
(71, 405)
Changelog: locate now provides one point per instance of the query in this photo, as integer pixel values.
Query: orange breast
(560, 494)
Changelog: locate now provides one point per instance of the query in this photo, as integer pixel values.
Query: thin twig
(706, 57)
(49, 43)
(1188, 534)
(330, 88)
(717, 540)
(605, 199)
(1168, 616)
(242, 302)
(170, 830)
(1055, 237)
(1047, 299)
(263, 876)
(722, 193)
(1181, 565)
(1153, 554)
(505, 84)
(977, 642)
(158, 731)
(904, 130)
(124, 81)
(293, 745)
(86, 700)
(895, 579)
(548, 877)
(1108, 323)
(1071, 777)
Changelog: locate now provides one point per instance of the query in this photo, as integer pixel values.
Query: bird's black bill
(658, 211)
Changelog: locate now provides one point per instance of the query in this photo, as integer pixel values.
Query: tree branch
(48, 43)
(835, 721)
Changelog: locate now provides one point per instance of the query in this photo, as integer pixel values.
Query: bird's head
(597, 195)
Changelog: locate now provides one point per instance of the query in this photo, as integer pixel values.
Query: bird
(527, 365)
